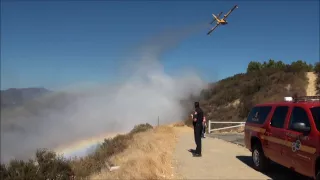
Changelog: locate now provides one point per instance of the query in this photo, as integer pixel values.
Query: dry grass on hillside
(148, 156)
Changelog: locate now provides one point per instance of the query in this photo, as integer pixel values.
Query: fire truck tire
(260, 161)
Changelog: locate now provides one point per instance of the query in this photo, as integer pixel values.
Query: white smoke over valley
(79, 113)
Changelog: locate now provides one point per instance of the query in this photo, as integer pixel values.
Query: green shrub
(52, 166)
(46, 166)
(20, 170)
(300, 66)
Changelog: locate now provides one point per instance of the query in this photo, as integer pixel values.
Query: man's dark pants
(198, 131)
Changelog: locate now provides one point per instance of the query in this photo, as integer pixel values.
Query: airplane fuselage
(222, 22)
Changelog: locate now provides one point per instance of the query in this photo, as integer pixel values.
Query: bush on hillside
(300, 66)
(141, 128)
(47, 165)
(51, 166)
(254, 66)
(20, 170)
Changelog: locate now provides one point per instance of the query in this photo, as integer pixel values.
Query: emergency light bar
(302, 99)
(288, 99)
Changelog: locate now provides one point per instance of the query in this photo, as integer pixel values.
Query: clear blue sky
(52, 44)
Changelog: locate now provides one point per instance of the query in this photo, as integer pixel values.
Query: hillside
(14, 97)
(232, 98)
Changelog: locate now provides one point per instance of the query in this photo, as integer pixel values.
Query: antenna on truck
(302, 99)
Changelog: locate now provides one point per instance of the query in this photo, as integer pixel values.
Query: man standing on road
(198, 127)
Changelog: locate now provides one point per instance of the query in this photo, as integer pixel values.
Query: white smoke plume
(93, 110)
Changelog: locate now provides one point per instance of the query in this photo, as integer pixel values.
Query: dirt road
(220, 160)
(311, 89)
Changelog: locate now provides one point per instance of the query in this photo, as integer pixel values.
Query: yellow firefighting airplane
(222, 21)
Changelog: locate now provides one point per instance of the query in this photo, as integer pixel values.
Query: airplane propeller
(215, 19)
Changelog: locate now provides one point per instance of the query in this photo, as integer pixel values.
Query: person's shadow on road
(276, 171)
(192, 151)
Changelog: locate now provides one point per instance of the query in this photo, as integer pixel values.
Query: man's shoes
(196, 155)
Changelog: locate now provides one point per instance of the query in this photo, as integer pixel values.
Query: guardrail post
(209, 127)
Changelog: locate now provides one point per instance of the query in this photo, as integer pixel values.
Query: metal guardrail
(223, 122)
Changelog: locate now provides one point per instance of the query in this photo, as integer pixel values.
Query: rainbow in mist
(83, 147)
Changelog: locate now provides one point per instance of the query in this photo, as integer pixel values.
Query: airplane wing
(225, 16)
(212, 29)
(214, 19)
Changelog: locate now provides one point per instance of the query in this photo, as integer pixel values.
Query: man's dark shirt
(198, 115)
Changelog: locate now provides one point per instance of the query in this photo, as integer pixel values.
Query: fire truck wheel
(260, 161)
